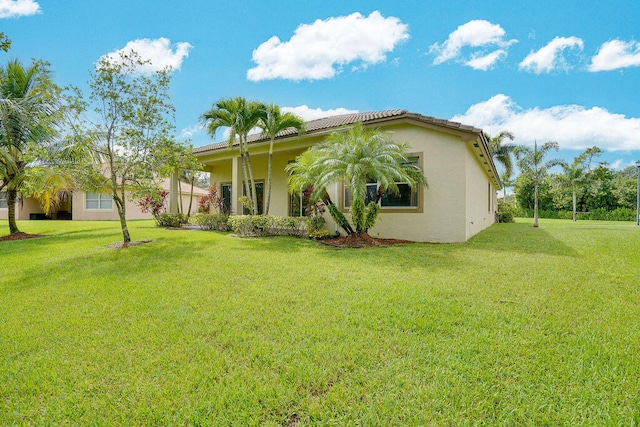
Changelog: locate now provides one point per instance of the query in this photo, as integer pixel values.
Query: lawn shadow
(522, 238)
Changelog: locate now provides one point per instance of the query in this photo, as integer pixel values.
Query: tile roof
(334, 122)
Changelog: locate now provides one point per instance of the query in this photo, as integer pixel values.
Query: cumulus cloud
(320, 50)
(550, 57)
(159, 52)
(480, 35)
(191, 131)
(485, 62)
(307, 113)
(616, 54)
(17, 8)
(572, 126)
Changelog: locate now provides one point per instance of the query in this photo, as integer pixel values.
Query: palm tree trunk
(245, 178)
(254, 197)
(193, 179)
(269, 172)
(535, 205)
(12, 197)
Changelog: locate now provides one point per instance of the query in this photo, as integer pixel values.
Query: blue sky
(567, 71)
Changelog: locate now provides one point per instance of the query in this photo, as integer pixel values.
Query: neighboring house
(459, 201)
(94, 206)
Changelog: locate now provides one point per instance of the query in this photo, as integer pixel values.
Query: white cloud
(17, 8)
(191, 131)
(159, 52)
(474, 34)
(485, 62)
(308, 114)
(616, 54)
(549, 57)
(320, 50)
(572, 126)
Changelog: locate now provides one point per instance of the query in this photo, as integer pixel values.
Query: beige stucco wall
(132, 209)
(24, 207)
(28, 206)
(454, 207)
(481, 198)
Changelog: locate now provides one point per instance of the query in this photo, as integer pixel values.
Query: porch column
(173, 193)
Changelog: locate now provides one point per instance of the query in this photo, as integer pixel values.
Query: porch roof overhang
(317, 128)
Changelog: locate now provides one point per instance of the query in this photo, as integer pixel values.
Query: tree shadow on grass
(522, 238)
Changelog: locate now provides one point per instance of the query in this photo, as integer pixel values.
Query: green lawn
(519, 326)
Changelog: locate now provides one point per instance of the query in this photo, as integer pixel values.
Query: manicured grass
(519, 326)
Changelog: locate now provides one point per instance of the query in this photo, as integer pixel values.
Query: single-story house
(460, 199)
(83, 205)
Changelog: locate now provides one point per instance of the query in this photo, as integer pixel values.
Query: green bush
(219, 222)
(268, 225)
(175, 220)
(506, 212)
(600, 214)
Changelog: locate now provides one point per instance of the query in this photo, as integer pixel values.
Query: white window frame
(100, 199)
(3, 197)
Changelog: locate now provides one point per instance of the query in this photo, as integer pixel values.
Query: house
(83, 205)
(459, 201)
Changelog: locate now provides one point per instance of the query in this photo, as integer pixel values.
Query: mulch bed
(361, 241)
(120, 245)
(20, 236)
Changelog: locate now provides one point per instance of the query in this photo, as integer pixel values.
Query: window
(226, 198)
(299, 203)
(3, 200)
(98, 201)
(406, 197)
(259, 197)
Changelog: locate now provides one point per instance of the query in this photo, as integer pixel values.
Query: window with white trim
(98, 201)
(3, 200)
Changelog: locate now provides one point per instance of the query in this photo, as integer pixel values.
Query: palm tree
(273, 122)
(578, 171)
(355, 157)
(501, 152)
(240, 117)
(532, 165)
(25, 106)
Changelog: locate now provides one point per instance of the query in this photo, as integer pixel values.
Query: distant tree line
(552, 188)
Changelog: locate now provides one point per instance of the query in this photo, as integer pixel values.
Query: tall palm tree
(532, 164)
(240, 116)
(355, 157)
(273, 122)
(25, 106)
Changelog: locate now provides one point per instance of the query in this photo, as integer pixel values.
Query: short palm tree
(500, 151)
(272, 122)
(25, 103)
(578, 172)
(355, 157)
(240, 116)
(532, 164)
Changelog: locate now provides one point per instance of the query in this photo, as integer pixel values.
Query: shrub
(268, 225)
(599, 214)
(219, 222)
(506, 212)
(153, 202)
(175, 220)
